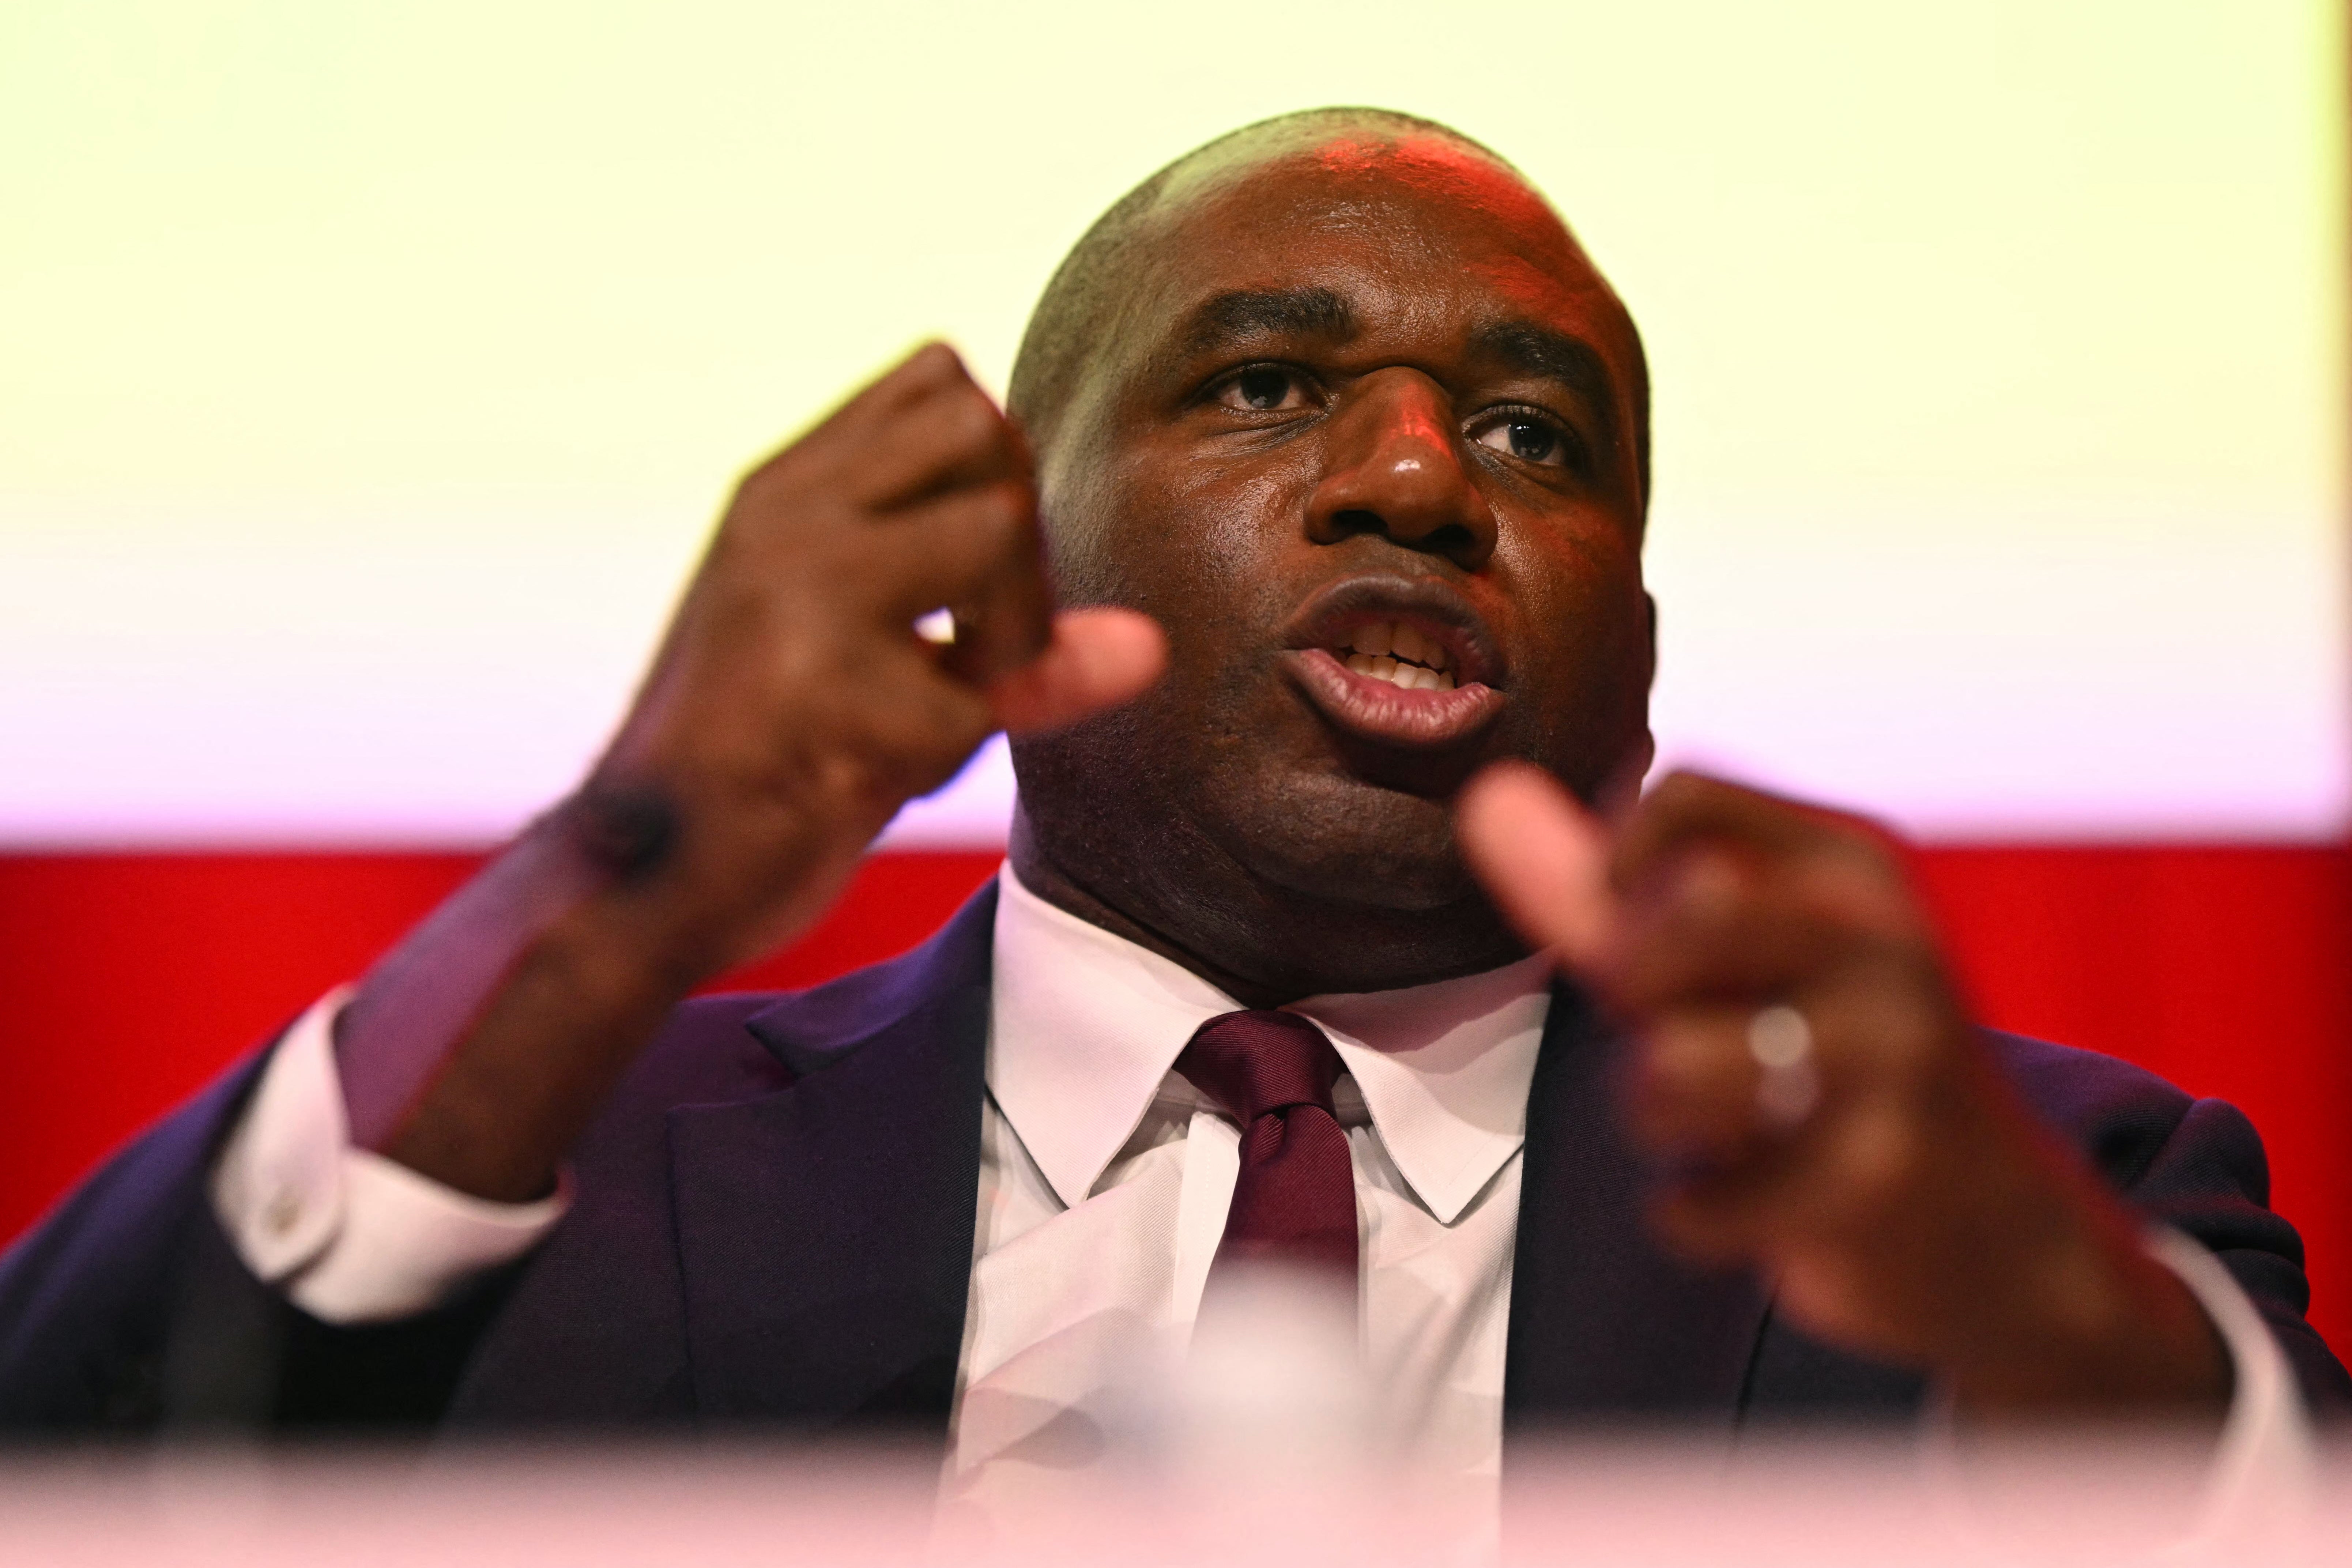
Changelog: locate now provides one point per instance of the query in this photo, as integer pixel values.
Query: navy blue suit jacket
(774, 1226)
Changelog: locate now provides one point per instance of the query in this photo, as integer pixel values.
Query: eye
(1528, 438)
(1263, 389)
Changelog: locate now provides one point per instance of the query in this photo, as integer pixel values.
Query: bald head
(1080, 308)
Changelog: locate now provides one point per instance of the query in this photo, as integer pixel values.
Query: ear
(1623, 786)
(1649, 656)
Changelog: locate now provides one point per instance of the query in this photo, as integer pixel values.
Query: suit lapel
(825, 1231)
(1605, 1324)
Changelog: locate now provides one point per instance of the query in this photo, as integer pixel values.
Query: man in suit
(1332, 445)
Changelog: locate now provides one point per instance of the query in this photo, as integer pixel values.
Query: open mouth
(1401, 661)
(1394, 651)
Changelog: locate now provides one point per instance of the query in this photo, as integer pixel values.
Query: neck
(1262, 944)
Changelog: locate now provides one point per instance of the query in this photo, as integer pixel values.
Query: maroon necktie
(1295, 1200)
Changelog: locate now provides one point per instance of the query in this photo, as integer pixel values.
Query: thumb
(1543, 857)
(1097, 659)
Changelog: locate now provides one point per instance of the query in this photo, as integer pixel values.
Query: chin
(1336, 839)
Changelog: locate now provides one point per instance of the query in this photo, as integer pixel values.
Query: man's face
(1358, 401)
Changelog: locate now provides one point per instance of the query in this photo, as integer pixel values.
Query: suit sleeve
(2209, 1181)
(129, 1312)
(88, 1300)
(2195, 1166)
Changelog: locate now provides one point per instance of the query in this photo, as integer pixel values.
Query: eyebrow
(1535, 351)
(1308, 312)
(1550, 354)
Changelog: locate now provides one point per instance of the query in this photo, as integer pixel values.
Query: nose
(1394, 466)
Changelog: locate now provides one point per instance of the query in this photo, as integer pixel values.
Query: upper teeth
(1397, 653)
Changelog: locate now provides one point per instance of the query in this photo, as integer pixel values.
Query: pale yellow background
(370, 371)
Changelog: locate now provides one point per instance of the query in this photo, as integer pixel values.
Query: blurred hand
(1820, 1103)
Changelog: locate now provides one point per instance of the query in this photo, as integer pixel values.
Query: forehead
(1420, 232)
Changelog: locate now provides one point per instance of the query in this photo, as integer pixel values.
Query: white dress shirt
(1105, 1180)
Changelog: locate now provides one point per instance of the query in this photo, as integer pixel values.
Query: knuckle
(933, 358)
(785, 489)
(1681, 790)
(1708, 892)
(933, 363)
(979, 426)
(760, 487)
(964, 417)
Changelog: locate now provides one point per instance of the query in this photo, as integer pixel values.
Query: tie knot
(1260, 1061)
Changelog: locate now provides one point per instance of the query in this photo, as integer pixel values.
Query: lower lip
(1366, 706)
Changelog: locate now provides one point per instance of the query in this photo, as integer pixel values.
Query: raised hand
(1820, 1103)
(791, 709)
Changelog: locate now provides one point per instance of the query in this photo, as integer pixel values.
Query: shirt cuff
(344, 1233)
(2254, 1485)
(2264, 1463)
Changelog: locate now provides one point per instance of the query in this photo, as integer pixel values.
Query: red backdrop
(128, 980)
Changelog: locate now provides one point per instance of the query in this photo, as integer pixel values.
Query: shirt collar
(1445, 1069)
(1083, 1025)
